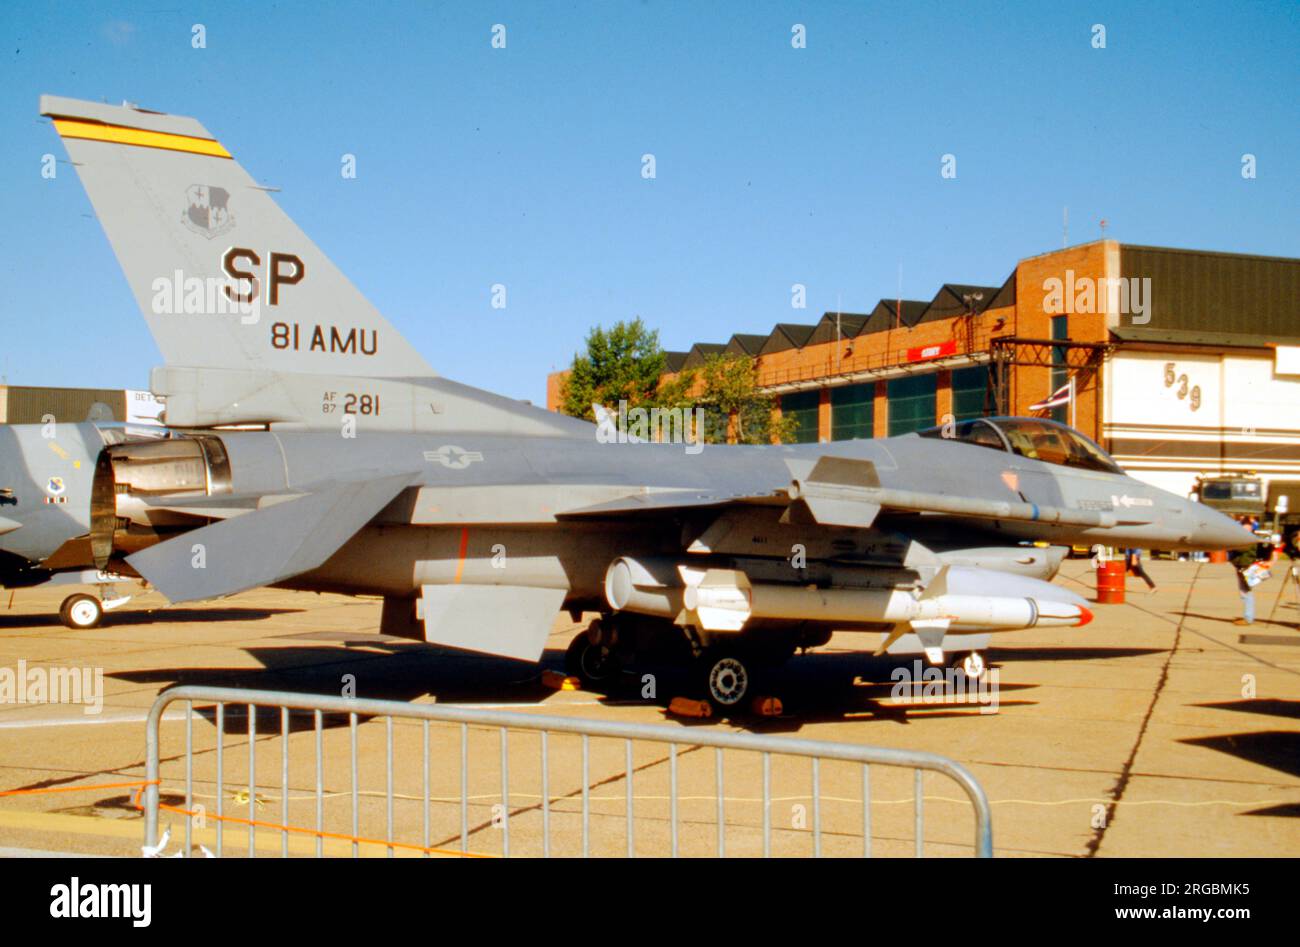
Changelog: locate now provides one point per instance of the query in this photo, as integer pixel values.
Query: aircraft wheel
(593, 664)
(81, 611)
(973, 666)
(728, 678)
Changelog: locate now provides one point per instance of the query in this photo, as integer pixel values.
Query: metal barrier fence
(766, 747)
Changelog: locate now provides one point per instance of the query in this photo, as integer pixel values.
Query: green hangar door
(853, 411)
(802, 407)
(911, 403)
(969, 389)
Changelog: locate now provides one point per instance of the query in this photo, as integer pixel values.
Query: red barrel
(1219, 555)
(1110, 582)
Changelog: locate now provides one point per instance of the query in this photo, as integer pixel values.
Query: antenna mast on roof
(839, 304)
(898, 308)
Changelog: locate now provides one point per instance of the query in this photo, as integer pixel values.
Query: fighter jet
(477, 518)
(46, 472)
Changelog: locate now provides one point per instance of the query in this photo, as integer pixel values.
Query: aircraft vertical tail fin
(224, 277)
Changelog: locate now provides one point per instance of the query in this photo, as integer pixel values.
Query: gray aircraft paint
(142, 198)
(47, 471)
(491, 514)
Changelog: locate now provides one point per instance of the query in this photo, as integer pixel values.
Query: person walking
(1133, 566)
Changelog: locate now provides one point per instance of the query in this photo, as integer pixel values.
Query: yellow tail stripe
(97, 131)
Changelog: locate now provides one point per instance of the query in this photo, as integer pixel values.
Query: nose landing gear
(81, 611)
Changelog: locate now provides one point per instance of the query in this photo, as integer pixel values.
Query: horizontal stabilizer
(265, 546)
(220, 506)
(508, 620)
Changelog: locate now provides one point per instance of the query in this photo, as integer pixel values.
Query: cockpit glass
(978, 432)
(1054, 443)
(1034, 438)
(982, 434)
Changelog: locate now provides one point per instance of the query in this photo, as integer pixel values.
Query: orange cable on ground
(33, 792)
(323, 834)
(141, 785)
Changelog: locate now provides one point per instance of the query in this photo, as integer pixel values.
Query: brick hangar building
(1179, 362)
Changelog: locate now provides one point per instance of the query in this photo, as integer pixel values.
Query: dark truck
(1277, 504)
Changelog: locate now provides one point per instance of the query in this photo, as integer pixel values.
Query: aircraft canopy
(1034, 438)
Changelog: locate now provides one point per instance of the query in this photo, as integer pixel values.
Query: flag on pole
(1062, 395)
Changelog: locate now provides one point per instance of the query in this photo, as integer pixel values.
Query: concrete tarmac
(1159, 729)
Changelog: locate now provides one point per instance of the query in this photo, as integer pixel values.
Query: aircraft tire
(973, 666)
(593, 664)
(81, 611)
(726, 678)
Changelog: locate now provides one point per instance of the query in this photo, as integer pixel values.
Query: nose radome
(1222, 532)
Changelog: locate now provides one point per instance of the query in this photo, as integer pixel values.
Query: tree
(735, 410)
(624, 363)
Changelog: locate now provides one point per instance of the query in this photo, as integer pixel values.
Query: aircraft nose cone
(1217, 531)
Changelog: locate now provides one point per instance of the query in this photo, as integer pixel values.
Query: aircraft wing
(267, 545)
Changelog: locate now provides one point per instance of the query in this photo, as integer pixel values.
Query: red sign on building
(926, 352)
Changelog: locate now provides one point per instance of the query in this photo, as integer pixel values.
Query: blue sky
(774, 165)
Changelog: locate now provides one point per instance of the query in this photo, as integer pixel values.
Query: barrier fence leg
(221, 789)
(320, 786)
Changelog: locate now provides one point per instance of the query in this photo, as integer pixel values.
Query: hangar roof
(1212, 298)
(1006, 296)
(851, 323)
(883, 316)
(674, 361)
(1197, 297)
(700, 351)
(787, 335)
(746, 343)
(948, 301)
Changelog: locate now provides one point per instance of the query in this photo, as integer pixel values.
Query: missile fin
(931, 632)
(938, 585)
(898, 632)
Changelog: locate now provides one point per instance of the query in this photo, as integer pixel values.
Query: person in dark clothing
(1252, 565)
(1133, 566)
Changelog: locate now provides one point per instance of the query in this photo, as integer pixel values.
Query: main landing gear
(726, 670)
(725, 676)
(591, 657)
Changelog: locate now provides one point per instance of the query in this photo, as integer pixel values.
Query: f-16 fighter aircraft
(477, 518)
(46, 472)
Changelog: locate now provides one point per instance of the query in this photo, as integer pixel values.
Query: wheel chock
(767, 706)
(560, 682)
(686, 707)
